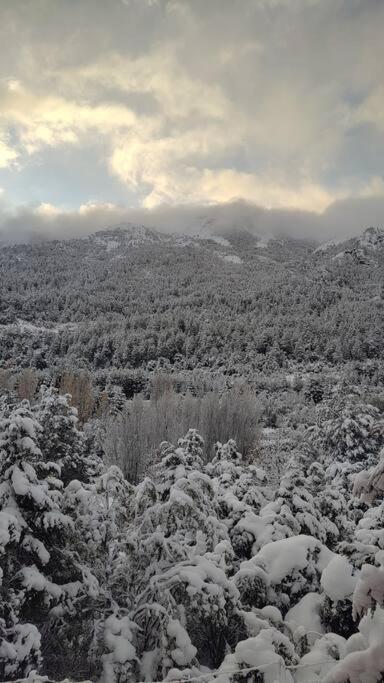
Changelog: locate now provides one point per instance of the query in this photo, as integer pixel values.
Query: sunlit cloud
(7, 155)
(195, 102)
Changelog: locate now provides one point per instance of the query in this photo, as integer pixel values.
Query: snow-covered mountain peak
(126, 234)
(372, 238)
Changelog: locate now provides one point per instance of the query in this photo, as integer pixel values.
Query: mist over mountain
(341, 220)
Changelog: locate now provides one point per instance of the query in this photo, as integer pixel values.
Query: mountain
(235, 302)
(124, 236)
(361, 247)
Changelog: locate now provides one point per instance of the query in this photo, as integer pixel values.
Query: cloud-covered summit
(342, 219)
(137, 103)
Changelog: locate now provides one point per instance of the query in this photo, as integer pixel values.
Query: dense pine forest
(134, 298)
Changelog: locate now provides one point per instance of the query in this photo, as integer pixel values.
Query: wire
(219, 672)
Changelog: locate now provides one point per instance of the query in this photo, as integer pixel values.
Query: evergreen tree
(60, 439)
(42, 581)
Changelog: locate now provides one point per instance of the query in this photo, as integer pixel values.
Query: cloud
(29, 224)
(342, 219)
(189, 101)
(48, 120)
(267, 192)
(7, 155)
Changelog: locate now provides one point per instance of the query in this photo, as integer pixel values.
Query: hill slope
(133, 297)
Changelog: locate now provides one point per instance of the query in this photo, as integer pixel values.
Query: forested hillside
(134, 298)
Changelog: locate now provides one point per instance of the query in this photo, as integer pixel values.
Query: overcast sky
(113, 108)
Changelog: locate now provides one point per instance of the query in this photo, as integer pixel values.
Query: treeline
(97, 393)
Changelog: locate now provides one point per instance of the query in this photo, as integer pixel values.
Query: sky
(265, 112)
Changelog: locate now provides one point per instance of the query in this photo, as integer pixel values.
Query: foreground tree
(43, 584)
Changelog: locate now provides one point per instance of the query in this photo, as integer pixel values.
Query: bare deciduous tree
(132, 437)
(79, 386)
(26, 383)
(7, 380)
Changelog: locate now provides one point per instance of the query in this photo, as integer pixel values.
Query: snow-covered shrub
(20, 649)
(338, 581)
(101, 511)
(210, 602)
(305, 623)
(294, 493)
(291, 567)
(322, 657)
(196, 568)
(364, 658)
(354, 434)
(369, 529)
(177, 463)
(369, 590)
(369, 484)
(252, 488)
(266, 655)
(163, 641)
(120, 662)
(175, 513)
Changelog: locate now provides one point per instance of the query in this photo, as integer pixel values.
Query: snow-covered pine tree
(116, 398)
(60, 439)
(42, 582)
(355, 434)
(102, 511)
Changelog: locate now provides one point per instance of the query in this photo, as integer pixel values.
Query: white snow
(264, 241)
(229, 258)
(338, 579)
(258, 651)
(372, 238)
(27, 640)
(315, 665)
(33, 579)
(28, 327)
(327, 245)
(369, 587)
(118, 636)
(112, 244)
(36, 546)
(306, 614)
(232, 258)
(10, 526)
(282, 557)
(184, 651)
(201, 574)
(22, 486)
(364, 665)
